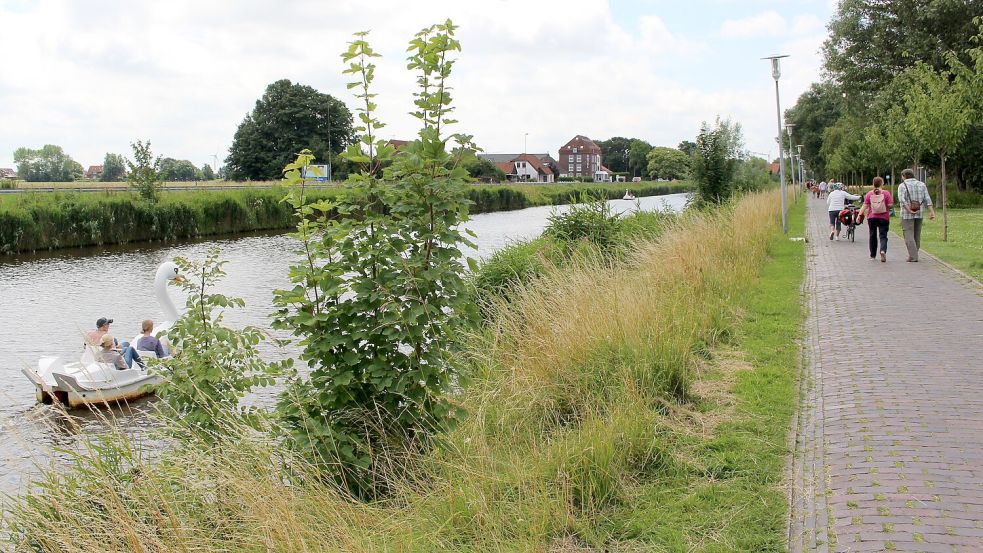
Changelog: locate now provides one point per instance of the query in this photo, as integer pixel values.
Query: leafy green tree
(379, 295)
(752, 174)
(178, 170)
(816, 110)
(113, 168)
(288, 118)
(207, 173)
(687, 147)
(718, 148)
(75, 170)
(216, 365)
(668, 163)
(481, 169)
(48, 164)
(144, 171)
(968, 158)
(938, 117)
(614, 153)
(637, 157)
(871, 41)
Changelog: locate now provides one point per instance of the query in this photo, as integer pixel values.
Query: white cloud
(94, 76)
(769, 23)
(807, 24)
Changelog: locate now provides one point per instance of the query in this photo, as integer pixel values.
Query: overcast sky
(94, 75)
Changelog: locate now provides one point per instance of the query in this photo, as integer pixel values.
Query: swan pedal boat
(88, 382)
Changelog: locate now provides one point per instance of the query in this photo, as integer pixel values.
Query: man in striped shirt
(913, 190)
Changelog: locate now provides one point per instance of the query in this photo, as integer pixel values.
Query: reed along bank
(37, 221)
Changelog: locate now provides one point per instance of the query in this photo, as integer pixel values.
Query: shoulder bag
(913, 206)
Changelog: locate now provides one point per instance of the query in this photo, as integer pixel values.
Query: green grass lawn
(964, 250)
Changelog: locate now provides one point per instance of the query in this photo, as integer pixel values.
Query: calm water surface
(47, 302)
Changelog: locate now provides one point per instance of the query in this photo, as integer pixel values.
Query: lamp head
(776, 69)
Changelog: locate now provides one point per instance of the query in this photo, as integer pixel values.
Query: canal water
(48, 301)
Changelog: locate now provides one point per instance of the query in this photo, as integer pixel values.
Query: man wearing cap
(95, 338)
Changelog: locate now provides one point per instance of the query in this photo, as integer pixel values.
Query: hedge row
(46, 221)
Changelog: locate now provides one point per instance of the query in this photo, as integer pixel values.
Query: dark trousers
(878, 228)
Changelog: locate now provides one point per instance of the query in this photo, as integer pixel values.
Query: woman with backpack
(877, 207)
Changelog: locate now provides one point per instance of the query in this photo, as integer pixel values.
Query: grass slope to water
(964, 250)
(42, 221)
(634, 405)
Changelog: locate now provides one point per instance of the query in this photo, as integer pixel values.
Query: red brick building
(580, 157)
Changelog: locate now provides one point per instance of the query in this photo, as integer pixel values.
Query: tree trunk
(945, 207)
(894, 181)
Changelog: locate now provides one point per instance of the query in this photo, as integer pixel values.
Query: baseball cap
(103, 320)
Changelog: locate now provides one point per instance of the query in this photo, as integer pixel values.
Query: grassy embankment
(42, 221)
(964, 250)
(632, 405)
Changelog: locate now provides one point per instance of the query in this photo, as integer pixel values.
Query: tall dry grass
(566, 399)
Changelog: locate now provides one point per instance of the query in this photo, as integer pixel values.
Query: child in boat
(149, 342)
(108, 353)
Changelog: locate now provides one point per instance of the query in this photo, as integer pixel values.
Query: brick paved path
(889, 448)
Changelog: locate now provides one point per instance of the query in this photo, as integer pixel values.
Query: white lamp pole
(801, 171)
(791, 152)
(776, 73)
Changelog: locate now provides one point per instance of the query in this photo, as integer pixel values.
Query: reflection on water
(48, 301)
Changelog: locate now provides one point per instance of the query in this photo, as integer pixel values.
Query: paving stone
(889, 434)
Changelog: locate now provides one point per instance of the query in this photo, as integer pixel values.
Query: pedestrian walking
(822, 189)
(913, 198)
(835, 202)
(877, 208)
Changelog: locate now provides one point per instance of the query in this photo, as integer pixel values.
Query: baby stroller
(850, 218)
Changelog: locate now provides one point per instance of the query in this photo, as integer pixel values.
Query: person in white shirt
(822, 189)
(835, 203)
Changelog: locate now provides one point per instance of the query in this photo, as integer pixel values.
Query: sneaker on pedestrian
(831, 235)
(883, 257)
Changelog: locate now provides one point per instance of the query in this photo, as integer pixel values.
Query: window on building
(574, 149)
(570, 168)
(578, 158)
(578, 168)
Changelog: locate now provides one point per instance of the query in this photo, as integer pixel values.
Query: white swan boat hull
(88, 383)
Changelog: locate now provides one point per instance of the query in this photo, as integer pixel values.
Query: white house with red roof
(527, 168)
(93, 172)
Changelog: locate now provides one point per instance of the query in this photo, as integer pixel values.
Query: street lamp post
(791, 152)
(801, 172)
(525, 142)
(329, 143)
(776, 73)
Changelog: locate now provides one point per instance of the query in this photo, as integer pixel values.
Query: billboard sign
(317, 173)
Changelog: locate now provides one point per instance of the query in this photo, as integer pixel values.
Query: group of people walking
(878, 207)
